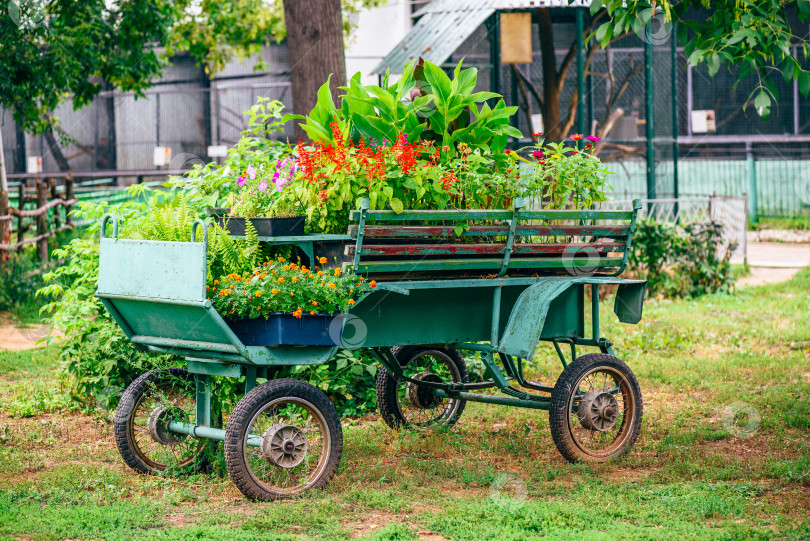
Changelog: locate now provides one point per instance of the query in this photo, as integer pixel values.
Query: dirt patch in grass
(755, 447)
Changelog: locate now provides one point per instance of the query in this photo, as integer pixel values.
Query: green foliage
(20, 278)
(752, 35)
(348, 379)
(687, 261)
(39, 399)
(424, 104)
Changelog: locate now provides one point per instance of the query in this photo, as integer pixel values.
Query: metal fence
(727, 210)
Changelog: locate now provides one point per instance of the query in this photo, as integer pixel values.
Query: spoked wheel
(283, 438)
(405, 404)
(596, 409)
(146, 408)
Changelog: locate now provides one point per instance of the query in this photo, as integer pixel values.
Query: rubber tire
(387, 391)
(558, 421)
(130, 398)
(253, 402)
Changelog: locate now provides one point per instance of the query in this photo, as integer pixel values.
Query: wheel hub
(420, 396)
(158, 425)
(284, 445)
(598, 411)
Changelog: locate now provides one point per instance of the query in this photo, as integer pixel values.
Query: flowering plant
(566, 176)
(259, 191)
(397, 174)
(279, 286)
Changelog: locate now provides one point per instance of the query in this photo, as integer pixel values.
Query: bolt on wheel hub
(598, 411)
(158, 425)
(284, 445)
(420, 396)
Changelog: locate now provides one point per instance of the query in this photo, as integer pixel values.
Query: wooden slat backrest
(434, 240)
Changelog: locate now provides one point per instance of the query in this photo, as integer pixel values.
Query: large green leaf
(439, 82)
(375, 128)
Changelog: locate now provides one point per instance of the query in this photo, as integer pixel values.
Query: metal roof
(445, 24)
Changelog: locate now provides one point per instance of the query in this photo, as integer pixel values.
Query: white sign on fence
(34, 165)
(162, 156)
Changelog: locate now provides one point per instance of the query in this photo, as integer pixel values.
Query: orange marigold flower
(322, 260)
(258, 293)
(332, 286)
(337, 272)
(373, 283)
(291, 294)
(294, 279)
(273, 291)
(207, 288)
(320, 273)
(216, 282)
(351, 301)
(323, 282)
(314, 303)
(293, 266)
(312, 312)
(281, 259)
(280, 280)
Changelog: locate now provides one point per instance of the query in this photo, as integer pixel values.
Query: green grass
(689, 476)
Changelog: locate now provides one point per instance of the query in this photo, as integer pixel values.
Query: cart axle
(542, 403)
(208, 432)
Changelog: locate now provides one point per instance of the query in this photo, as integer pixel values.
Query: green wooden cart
(490, 283)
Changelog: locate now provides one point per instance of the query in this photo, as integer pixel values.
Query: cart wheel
(595, 412)
(404, 404)
(147, 406)
(283, 438)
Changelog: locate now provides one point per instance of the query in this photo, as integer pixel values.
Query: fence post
(20, 219)
(57, 221)
(5, 225)
(42, 221)
(68, 196)
(752, 182)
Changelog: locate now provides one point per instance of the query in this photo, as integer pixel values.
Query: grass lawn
(692, 475)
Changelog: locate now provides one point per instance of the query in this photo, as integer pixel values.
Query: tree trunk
(551, 88)
(315, 49)
(56, 152)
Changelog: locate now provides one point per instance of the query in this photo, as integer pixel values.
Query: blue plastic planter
(283, 329)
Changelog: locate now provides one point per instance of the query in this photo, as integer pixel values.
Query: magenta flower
(251, 172)
(262, 185)
(538, 154)
(593, 139)
(242, 180)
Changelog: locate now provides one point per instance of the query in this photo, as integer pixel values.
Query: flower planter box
(283, 329)
(265, 227)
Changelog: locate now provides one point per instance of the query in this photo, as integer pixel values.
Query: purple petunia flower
(242, 180)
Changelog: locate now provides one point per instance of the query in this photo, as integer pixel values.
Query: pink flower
(593, 139)
(251, 172)
(262, 185)
(538, 154)
(242, 180)
(576, 136)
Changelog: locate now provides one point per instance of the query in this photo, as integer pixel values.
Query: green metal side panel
(174, 321)
(438, 315)
(153, 269)
(290, 355)
(630, 301)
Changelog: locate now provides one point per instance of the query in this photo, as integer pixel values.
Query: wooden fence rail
(47, 219)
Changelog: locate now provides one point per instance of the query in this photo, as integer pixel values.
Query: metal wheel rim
(451, 405)
(323, 459)
(142, 435)
(627, 400)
